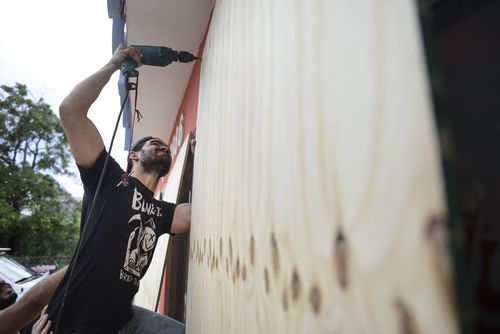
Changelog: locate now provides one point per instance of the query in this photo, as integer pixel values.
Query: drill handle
(128, 68)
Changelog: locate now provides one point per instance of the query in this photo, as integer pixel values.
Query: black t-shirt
(114, 254)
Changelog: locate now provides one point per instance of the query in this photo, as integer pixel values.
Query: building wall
(185, 120)
(318, 203)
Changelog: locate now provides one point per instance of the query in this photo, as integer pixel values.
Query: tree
(37, 216)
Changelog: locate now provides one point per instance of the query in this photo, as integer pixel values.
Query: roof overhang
(179, 25)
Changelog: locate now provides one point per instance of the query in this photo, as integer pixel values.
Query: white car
(20, 277)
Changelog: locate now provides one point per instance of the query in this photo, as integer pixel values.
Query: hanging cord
(137, 114)
(82, 240)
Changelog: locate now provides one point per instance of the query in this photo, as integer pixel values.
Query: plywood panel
(318, 204)
(149, 288)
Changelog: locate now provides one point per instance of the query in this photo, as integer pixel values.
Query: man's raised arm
(84, 138)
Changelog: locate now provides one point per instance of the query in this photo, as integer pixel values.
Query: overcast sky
(51, 46)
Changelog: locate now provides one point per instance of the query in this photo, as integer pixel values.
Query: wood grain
(317, 170)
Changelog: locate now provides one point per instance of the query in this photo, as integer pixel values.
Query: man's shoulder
(103, 161)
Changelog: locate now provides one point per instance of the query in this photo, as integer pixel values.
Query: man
(119, 228)
(7, 295)
(16, 315)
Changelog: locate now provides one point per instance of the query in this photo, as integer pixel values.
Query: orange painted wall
(189, 107)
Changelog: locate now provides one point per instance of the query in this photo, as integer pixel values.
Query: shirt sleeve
(90, 177)
(169, 209)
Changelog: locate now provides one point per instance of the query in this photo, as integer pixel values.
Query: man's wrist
(111, 67)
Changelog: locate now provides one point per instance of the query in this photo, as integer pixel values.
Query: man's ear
(134, 156)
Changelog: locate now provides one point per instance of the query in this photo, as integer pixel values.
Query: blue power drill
(155, 56)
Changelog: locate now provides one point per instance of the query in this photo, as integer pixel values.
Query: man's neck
(147, 179)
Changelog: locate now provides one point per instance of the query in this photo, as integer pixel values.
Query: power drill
(155, 56)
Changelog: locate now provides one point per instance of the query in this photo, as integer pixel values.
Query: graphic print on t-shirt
(141, 241)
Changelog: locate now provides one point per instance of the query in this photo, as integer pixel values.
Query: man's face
(7, 295)
(155, 156)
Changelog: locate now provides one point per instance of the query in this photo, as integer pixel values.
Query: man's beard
(155, 163)
(4, 303)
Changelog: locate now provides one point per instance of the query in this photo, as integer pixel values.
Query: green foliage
(37, 216)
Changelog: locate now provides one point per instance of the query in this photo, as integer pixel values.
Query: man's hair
(140, 143)
(136, 148)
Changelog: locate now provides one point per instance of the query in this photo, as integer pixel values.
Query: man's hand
(42, 325)
(193, 145)
(123, 51)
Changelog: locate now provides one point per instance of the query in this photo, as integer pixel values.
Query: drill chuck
(155, 56)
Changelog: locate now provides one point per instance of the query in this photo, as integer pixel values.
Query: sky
(50, 46)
